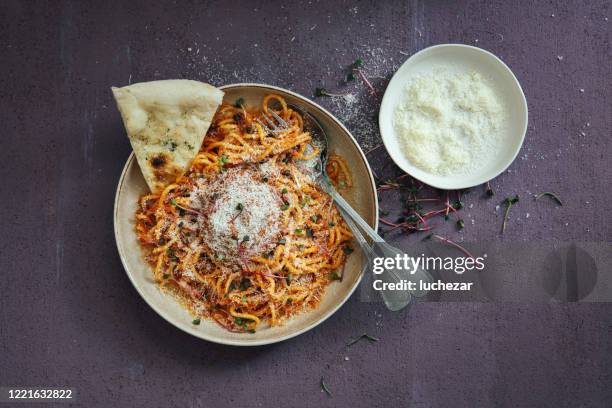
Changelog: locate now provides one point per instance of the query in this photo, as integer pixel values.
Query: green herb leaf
(460, 224)
(321, 92)
(309, 233)
(549, 194)
(358, 63)
(285, 207)
(331, 224)
(246, 238)
(173, 201)
(239, 102)
(366, 336)
(324, 387)
(298, 231)
(508, 201)
(350, 77)
(333, 276)
(196, 321)
(490, 192)
(284, 191)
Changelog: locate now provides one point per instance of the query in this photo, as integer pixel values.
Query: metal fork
(271, 126)
(377, 247)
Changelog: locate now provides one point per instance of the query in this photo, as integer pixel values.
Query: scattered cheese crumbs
(449, 123)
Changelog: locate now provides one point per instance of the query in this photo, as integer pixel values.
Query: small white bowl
(458, 58)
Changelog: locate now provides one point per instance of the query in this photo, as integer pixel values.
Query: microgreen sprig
(324, 92)
(509, 202)
(324, 387)
(366, 336)
(549, 194)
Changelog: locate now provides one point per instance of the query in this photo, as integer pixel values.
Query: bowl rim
(233, 342)
(385, 106)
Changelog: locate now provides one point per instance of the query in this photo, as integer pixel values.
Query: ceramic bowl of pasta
(244, 248)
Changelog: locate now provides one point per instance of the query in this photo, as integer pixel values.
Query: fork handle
(394, 299)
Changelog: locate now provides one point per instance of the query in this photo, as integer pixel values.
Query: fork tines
(271, 126)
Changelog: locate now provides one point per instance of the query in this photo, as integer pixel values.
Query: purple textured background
(70, 317)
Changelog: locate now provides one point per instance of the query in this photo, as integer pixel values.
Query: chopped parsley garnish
(285, 206)
(246, 238)
(239, 102)
(347, 250)
(173, 201)
(548, 194)
(196, 321)
(331, 224)
(509, 202)
(298, 231)
(245, 283)
(358, 63)
(333, 276)
(284, 191)
(309, 232)
(324, 387)
(366, 336)
(240, 207)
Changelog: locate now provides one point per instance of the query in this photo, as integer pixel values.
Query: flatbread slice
(166, 122)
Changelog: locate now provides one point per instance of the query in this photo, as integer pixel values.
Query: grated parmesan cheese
(242, 215)
(449, 123)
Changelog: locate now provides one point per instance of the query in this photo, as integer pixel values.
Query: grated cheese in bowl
(449, 123)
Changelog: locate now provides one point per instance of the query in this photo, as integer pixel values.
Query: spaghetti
(246, 236)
